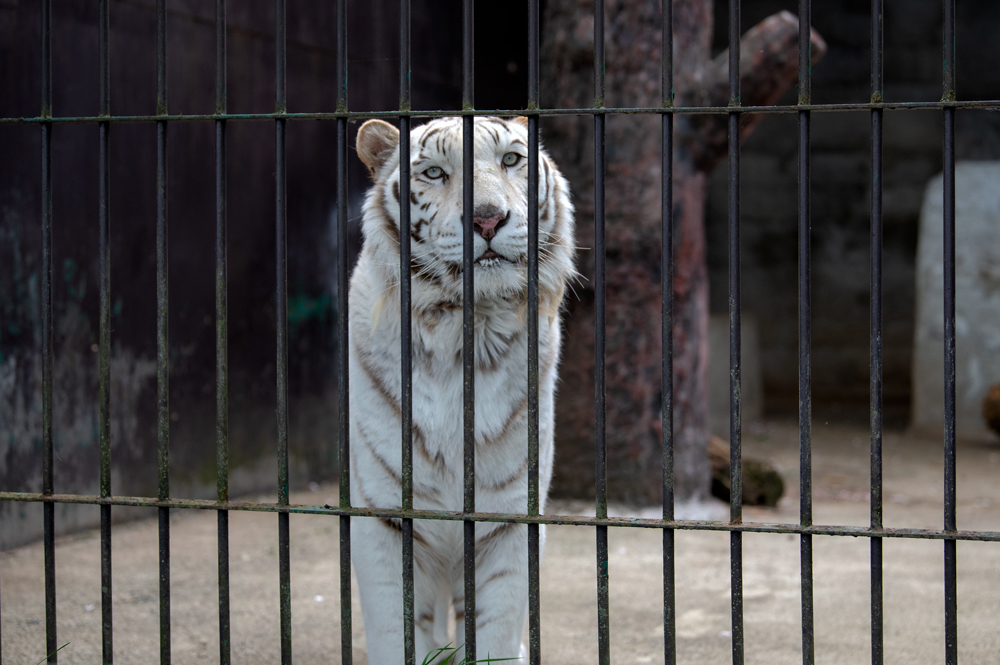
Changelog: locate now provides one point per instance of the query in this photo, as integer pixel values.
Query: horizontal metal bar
(985, 105)
(516, 518)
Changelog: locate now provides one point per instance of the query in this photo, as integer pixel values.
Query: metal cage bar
(221, 336)
(735, 361)
(534, 545)
(406, 326)
(48, 510)
(104, 353)
(875, 408)
(281, 319)
(162, 336)
(948, 227)
(468, 331)
(667, 326)
(343, 383)
(514, 518)
(805, 333)
(600, 317)
(985, 105)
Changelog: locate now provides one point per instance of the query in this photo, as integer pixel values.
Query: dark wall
(373, 74)
(841, 194)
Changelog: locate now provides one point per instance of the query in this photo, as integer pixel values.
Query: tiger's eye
(511, 159)
(434, 172)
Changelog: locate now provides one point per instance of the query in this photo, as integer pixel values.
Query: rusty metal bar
(48, 511)
(667, 328)
(875, 408)
(948, 224)
(162, 337)
(534, 544)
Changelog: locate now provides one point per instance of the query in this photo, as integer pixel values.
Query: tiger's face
(500, 214)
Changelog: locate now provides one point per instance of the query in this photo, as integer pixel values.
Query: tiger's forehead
(442, 138)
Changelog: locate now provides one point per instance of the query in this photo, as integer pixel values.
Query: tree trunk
(632, 186)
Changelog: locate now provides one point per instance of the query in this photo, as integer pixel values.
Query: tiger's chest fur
(501, 398)
(501, 370)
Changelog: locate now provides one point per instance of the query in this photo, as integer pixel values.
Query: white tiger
(501, 342)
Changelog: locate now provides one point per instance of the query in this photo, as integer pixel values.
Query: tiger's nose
(488, 222)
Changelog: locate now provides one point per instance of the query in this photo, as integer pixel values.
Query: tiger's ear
(376, 141)
(521, 120)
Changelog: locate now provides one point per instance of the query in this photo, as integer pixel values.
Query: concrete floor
(914, 595)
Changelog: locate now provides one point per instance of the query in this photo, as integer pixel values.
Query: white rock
(977, 300)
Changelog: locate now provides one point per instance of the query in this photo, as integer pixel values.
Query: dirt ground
(914, 594)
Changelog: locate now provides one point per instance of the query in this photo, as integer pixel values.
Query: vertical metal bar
(667, 326)
(48, 509)
(343, 383)
(468, 328)
(735, 403)
(534, 576)
(600, 318)
(406, 369)
(875, 407)
(950, 554)
(104, 231)
(162, 338)
(805, 333)
(47, 447)
(221, 335)
(281, 317)
(950, 546)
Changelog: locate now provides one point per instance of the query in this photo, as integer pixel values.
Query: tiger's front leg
(501, 592)
(377, 556)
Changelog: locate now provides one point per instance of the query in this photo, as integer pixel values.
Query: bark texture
(769, 56)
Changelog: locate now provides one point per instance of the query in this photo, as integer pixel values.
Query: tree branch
(769, 58)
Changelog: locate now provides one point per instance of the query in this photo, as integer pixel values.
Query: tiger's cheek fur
(501, 351)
